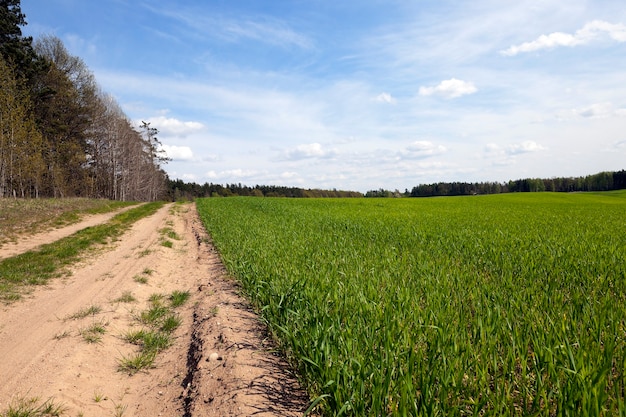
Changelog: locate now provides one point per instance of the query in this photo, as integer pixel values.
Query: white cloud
(178, 153)
(174, 127)
(76, 44)
(289, 175)
(261, 28)
(590, 32)
(451, 88)
(422, 149)
(233, 174)
(595, 111)
(385, 98)
(266, 30)
(528, 146)
(310, 150)
(600, 110)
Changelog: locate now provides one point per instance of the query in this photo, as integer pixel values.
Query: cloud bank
(592, 31)
(309, 150)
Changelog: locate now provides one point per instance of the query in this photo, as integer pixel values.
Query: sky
(360, 95)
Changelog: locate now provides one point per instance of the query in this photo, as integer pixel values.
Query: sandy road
(30, 242)
(221, 363)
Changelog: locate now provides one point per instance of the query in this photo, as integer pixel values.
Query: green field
(509, 304)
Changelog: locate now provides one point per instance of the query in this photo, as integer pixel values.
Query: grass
(85, 312)
(64, 334)
(170, 233)
(154, 315)
(170, 323)
(98, 397)
(159, 321)
(20, 216)
(93, 333)
(173, 235)
(156, 299)
(178, 298)
(32, 407)
(119, 409)
(52, 260)
(156, 341)
(149, 340)
(144, 252)
(487, 305)
(141, 279)
(135, 336)
(126, 297)
(137, 362)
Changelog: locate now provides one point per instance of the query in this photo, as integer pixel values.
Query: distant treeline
(179, 189)
(603, 181)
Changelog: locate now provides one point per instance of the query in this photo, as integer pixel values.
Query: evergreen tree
(17, 50)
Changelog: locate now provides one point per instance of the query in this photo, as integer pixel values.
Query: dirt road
(221, 363)
(26, 243)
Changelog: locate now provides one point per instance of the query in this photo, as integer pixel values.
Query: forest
(60, 134)
(602, 181)
(178, 189)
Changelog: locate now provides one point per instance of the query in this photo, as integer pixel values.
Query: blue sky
(360, 95)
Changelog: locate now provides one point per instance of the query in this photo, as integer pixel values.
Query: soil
(222, 362)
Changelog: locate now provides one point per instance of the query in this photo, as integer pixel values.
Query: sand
(222, 362)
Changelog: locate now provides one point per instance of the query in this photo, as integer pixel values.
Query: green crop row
(486, 305)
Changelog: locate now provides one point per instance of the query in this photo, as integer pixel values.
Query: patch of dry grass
(51, 260)
(29, 216)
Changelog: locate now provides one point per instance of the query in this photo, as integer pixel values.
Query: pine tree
(16, 49)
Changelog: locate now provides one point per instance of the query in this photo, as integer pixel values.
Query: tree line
(178, 189)
(603, 181)
(60, 134)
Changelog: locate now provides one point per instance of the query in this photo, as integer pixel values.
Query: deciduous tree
(65, 114)
(21, 165)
